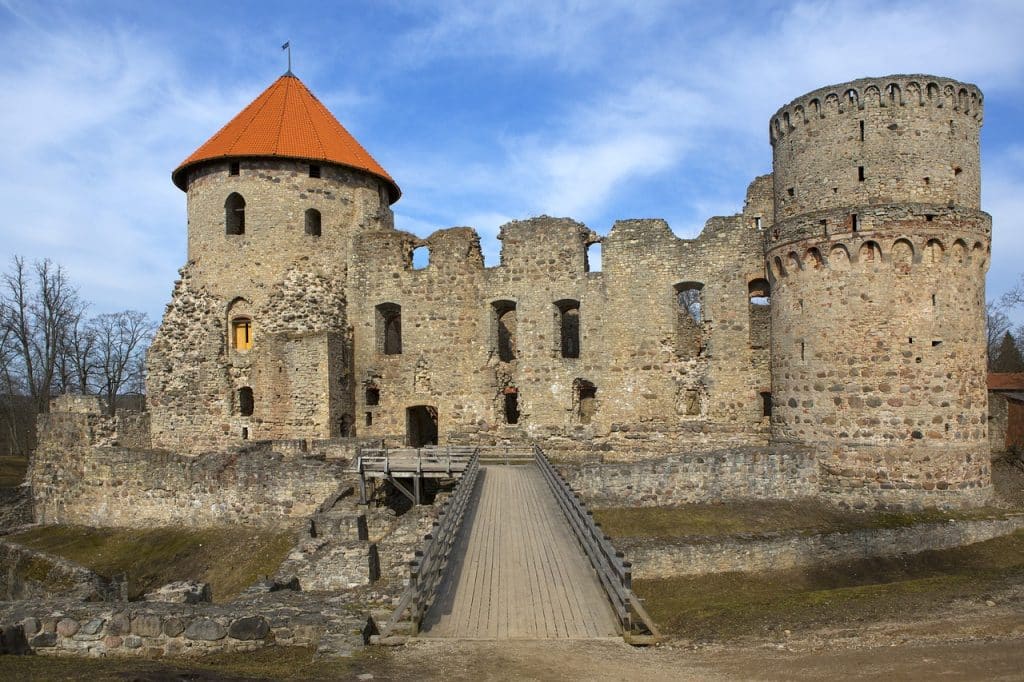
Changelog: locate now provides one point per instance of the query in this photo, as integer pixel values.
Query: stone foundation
(700, 556)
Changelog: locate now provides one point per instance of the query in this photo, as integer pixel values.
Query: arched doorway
(421, 425)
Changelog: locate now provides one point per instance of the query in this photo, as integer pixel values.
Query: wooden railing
(614, 572)
(386, 459)
(427, 569)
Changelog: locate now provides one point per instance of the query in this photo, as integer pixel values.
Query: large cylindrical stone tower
(878, 257)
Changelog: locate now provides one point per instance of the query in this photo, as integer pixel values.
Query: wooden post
(416, 489)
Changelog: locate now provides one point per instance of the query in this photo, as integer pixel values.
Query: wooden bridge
(515, 555)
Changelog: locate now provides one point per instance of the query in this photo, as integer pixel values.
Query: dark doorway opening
(511, 406)
(421, 425)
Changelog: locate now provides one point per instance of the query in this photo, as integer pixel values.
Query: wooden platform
(517, 571)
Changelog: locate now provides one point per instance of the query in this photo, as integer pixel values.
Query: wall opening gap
(766, 404)
(314, 171)
(420, 257)
(234, 168)
(511, 406)
(862, 131)
(860, 173)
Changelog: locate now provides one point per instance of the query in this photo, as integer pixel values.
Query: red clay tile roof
(288, 121)
(1006, 381)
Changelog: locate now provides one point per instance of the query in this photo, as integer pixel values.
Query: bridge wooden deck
(517, 571)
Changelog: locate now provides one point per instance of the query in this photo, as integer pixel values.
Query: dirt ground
(964, 643)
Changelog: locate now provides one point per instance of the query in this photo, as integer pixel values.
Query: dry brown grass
(229, 559)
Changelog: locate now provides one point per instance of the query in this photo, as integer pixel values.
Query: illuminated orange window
(242, 331)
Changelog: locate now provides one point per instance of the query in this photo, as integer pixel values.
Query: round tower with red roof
(255, 342)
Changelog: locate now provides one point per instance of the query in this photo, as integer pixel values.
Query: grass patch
(12, 470)
(229, 559)
(758, 518)
(272, 663)
(726, 605)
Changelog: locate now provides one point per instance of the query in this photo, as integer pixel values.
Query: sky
(483, 112)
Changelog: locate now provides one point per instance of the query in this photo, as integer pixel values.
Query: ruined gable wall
(629, 346)
(652, 356)
(441, 363)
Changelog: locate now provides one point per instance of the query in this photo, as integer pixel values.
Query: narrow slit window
(241, 332)
(853, 221)
(586, 400)
(860, 173)
(312, 222)
(759, 309)
(862, 131)
(505, 323)
(567, 327)
(766, 404)
(511, 406)
(389, 329)
(369, 418)
(246, 403)
(234, 214)
(690, 315)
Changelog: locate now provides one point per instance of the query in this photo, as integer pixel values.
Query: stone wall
(154, 630)
(700, 556)
(26, 573)
(701, 476)
(133, 488)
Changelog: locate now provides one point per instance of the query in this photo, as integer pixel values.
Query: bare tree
(1015, 296)
(997, 325)
(41, 312)
(120, 339)
(79, 357)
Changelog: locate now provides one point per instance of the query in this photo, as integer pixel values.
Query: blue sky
(482, 111)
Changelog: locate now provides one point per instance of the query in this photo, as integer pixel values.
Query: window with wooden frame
(241, 333)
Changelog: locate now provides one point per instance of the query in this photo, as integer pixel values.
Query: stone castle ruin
(837, 321)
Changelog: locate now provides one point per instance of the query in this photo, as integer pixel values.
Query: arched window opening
(242, 333)
(372, 396)
(689, 317)
(586, 400)
(234, 214)
(567, 327)
(313, 222)
(759, 296)
(511, 405)
(592, 258)
(505, 323)
(420, 257)
(245, 401)
(389, 329)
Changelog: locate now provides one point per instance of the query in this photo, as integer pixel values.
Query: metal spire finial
(288, 46)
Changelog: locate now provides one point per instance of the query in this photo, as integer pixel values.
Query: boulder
(205, 629)
(181, 592)
(251, 627)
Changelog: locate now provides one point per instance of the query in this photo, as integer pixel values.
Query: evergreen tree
(1008, 357)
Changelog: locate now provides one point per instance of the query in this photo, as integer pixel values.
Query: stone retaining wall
(699, 556)
(156, 630)
(98, 486)
(710, 476)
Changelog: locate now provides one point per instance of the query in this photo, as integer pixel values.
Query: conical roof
(286, 121)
